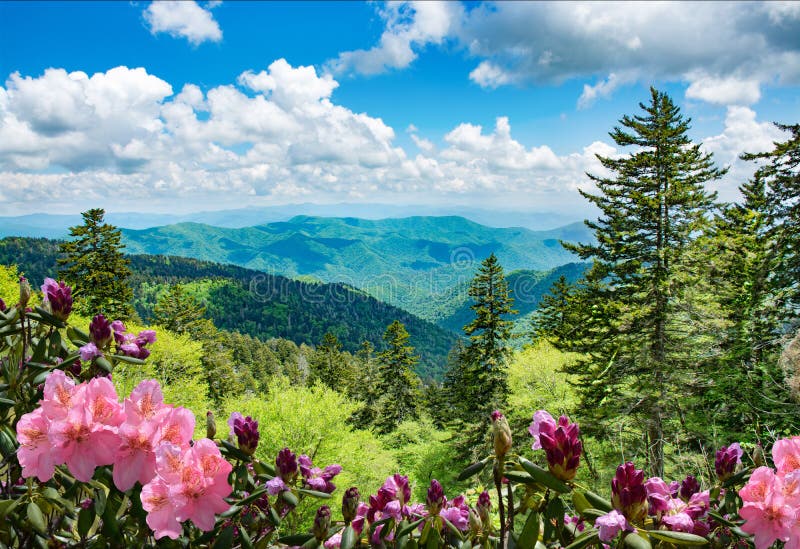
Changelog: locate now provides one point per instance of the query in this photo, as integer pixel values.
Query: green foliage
(94, 265)
(314, 421)
(9, 284)
(178, 311)
(639, 349)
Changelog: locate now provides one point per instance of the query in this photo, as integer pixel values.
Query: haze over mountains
(56, 225)
(417, 263)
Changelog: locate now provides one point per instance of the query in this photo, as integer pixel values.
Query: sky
(189, 106)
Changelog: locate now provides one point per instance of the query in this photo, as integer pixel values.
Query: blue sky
(188, 106)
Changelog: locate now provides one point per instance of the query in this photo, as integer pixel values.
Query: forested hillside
(258, 304)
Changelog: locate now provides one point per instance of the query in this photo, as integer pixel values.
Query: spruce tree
(653, 206)
(398, 385)
(477, 383)
(328, 364)
(94, 265)
(178, 311)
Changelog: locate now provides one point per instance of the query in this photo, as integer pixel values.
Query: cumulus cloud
(183, 18)
(725, 52)
(122, 136)
(410, 26)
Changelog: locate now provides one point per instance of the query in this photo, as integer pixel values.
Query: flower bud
(286, 465)
(759, 460)
(689, 487)
(483, 507)
(211, 426)
(475, 522)
(322, 523)
(628, 493)
(100, 331)
(562, 445)
(501, 435)
(350, 501)
(726, 460)
(246, 431)
(2, 305)
(435, 499)
(24, 292)
(58, 296)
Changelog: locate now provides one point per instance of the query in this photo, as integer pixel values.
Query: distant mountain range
(56, 226)
(418, 263)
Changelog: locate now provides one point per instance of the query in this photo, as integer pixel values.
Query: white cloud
(118, 136)
(489, 75)
(183, 18)
(410, 26)
(723, 91)
(726, 51)
(742, 133)
(604, 88)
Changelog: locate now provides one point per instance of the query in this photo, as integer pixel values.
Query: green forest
(666, 332)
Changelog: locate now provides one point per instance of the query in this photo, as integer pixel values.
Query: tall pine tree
(398, 385)
(94, 265)
(477, 383)
(653, 206)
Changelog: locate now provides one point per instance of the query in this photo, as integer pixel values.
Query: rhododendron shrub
(84, 466)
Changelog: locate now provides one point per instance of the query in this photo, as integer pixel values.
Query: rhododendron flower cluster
(772, 498)
(145, 440)
(726, 460)
(560, 441)
(245, 430)
(675, 513)
(101, 332)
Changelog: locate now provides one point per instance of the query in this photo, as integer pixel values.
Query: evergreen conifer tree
(178, 311)
(94, 265)
(398, 385)
(654, 205)
(477, 384)
(328, 364)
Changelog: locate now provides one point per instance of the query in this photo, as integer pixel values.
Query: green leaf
(520, 477)
(224, 539)
(543, 477)
(233, 451)
(598, 502)
(295, 539)
(592, 513)
(36, 518)
(232, 510)
(678, 538)
(588, 537)
(348, 538)
(48, 318)
(252, 497)
(530, 532)
(635, 541)
(736, 478)
(289, 498)
(244, 537)
(262, 468)
(409, 528)
(554, 519)
(580, 502)
(8, 505)
(99, 501)
(722, 520)
(128, 359)
(104, 363)
(473, 469)
(85, 521)
(314, 493)
(313, 543)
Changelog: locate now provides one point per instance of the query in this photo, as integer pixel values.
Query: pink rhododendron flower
(160, 511)
(176, 426)
(102, 403)
(786, 454)
(82, 443)
(145, 403)
(770, 520)
(760, 484)
(60, 395)
(659, 495)
(540, 417)
(610, 524)
(135, 459)
(35, 452)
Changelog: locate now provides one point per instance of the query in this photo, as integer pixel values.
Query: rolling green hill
(417, 263)
(257, 303)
